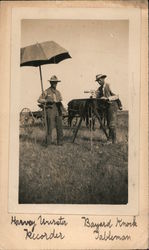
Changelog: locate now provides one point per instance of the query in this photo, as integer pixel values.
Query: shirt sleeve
(113, 98)
(42, 97)
(112, 94)
(109, 94)
(58, 96)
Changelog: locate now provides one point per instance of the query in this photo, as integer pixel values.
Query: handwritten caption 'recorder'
(51, 226)
(102, 230)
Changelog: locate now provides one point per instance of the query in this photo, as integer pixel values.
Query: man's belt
(46, 105)
(49, 104)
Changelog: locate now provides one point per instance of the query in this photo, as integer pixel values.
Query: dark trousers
(112, 120)
(119, 104)
(54, 120)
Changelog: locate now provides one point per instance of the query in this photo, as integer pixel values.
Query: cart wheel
(74, 121)
(27, 120)
(65, 121)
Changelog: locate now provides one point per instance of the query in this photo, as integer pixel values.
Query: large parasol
(38, 54)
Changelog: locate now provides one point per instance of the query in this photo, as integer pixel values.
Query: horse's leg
(70, 117)
(101, 117)
(87, 121)
(93, 123)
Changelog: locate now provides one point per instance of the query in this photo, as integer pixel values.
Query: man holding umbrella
(36, 55)
(52, 100)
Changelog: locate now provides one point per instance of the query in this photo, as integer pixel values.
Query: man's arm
(109, 94)
(59, 96)
(42, 97)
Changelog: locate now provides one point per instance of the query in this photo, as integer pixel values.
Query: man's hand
(42, 101)
(113, 97)
(104, 98)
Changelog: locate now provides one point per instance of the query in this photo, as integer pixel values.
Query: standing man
(52, 100)
(113, 103)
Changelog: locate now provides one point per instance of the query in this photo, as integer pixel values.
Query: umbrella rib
(42, 50)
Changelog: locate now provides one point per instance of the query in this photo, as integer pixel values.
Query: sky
(96, 47)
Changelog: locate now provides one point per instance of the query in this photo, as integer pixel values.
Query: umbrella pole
(91, 131)
(41, 79)
(44, 108)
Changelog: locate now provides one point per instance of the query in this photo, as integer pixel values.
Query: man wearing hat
(52, 100)
(113, 103)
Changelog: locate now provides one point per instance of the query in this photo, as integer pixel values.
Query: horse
(88, 109)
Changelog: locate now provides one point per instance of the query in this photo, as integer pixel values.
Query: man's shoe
(44, 144)
(108, 142)
(59, 144)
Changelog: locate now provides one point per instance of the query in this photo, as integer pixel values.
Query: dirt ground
(73, 173)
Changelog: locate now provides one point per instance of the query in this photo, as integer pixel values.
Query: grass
(73, 174)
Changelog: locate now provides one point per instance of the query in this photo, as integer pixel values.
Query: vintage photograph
(73, 112)
(74, 94)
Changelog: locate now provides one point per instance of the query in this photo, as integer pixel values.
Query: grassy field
(72, 173)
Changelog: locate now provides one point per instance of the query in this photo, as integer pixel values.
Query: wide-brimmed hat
(54, 79)
(100, 76)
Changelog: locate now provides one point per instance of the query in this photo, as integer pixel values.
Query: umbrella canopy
(43, 53)
(38, 54)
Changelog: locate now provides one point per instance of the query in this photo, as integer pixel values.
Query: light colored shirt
(50, 95)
